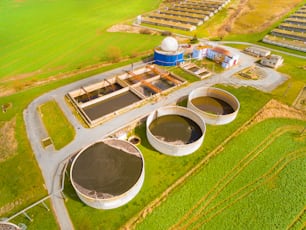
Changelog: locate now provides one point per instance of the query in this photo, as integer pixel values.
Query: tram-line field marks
(258, 182)
(231, 188)
(232, 174)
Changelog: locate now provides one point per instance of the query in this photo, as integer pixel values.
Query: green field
(40, 40)
(259, 184)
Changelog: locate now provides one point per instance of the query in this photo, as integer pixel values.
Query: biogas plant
(109, 173)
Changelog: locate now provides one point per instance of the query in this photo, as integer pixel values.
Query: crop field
(257, 185)
(52, 37)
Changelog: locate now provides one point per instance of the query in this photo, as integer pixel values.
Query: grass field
(58, 127)
(161, 171)
(255, 185)
(40, 40)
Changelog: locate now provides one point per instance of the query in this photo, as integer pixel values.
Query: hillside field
(41, 40)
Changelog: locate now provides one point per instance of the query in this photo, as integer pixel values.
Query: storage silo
(169, 53)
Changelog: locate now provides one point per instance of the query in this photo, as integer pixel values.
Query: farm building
(186, 15)
(257, 52)
(169, 53)
(291, 32)
(272, 61)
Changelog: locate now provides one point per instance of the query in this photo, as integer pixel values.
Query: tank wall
(210, 118)
(164, 59)
(170, 149)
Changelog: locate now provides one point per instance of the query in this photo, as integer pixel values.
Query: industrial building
(109, 97)
(217, 54)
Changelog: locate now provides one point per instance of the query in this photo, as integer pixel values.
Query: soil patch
(8, 142)
(275, 109)
(252, 16)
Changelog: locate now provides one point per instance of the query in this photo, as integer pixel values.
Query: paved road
(52, 162)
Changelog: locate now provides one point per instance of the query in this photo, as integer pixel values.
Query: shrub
(145, 31)
(113, 53)
(166, 33)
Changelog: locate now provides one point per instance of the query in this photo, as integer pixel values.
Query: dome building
(169, 53)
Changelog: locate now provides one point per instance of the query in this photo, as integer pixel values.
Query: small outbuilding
(257, 52)
(273, 61)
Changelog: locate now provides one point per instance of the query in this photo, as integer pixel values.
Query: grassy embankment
(161, 170)
(255, 182)
(40, 43)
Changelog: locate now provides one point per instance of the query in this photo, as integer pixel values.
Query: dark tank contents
(212, 105)
(110, 105)
(103, 169)
(98, 93)
(175, 129)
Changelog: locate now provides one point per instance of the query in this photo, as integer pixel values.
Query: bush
(166, 33)
(113, 53)
(194, 40)
(145, 31)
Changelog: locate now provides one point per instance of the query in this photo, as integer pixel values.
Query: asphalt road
(52, 162)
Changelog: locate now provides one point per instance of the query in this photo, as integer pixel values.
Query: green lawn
(256, 182)
(21, 183)
(161, 171)
(51, 37)
(42, 218)
(58, 127)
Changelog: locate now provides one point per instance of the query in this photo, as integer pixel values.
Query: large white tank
(216, 106)
(108, 174)
(175, 130)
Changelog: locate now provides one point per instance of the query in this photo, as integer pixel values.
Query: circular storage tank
(8, 226)
(108, 174)
(175, 130)
(168, 53)
(216, 106)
